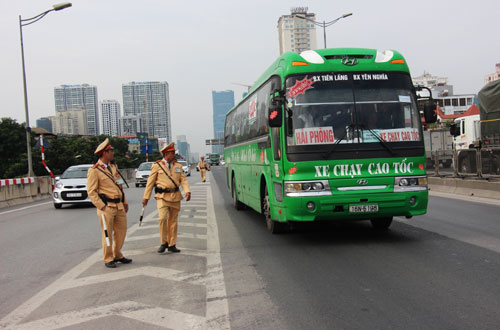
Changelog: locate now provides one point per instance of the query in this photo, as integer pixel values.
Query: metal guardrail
(480, 163)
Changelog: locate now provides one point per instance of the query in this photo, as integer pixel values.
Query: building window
(447, 102)
(462, 102)
(440, 102)
(469, 101)
(454, 102)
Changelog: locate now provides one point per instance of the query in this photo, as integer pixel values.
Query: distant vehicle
(71, 186)
(213, 159)
(142, 174)
(480, 134)
(185, 167)
(440, 142)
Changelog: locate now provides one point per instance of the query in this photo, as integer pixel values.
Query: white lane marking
(24, 208)
(193, 224)
(158, 272)
(129, 309)
(217, 311)
(194, 217)
(217, 301)
(179, 235)
(17, 315)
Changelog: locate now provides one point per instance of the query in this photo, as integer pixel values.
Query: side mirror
(454, 130)
(430, 113)
(136, 170)
(58, 178)
(275, 116)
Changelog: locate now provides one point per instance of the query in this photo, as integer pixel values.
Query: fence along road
(174, 291)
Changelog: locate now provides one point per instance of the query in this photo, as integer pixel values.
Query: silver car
(142, 174)
(185, 167)
(71, 186)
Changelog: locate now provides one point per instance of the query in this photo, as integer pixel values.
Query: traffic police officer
(166, 177)
(108, 197)
(203, 167)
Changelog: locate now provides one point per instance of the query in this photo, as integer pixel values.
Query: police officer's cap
(168, 148)
(103, 147)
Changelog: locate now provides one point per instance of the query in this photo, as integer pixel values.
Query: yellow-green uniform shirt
(101, 181)
(160, 179)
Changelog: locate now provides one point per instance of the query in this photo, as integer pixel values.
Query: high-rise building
(45, 123)
(70, 122)
(110, 115)
(222, 102)
(297, 34)
(130, 125)
(493, 76)
(183, 147)
(69, 97)
(151, 101)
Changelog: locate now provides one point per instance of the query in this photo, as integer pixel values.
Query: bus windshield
(351, 108)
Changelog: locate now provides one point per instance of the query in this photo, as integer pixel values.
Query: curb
(466, 186)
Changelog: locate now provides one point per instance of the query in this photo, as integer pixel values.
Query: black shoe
(110, 264)
(173, 249)
(124, 260)
(162, 248)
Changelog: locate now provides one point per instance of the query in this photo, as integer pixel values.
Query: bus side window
(276, 143)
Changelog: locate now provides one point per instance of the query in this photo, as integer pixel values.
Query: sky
(204, 46)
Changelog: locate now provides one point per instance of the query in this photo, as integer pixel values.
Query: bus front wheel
(273, 226)
(236, 203)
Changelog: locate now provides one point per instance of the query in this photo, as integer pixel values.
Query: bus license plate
(363, 208)
(74, 195)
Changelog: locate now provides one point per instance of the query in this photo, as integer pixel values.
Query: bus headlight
(307, 188)
(410, 183)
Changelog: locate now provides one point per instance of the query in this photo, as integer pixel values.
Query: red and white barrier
(44, 164)
(10, 182)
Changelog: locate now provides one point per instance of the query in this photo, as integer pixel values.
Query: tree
(13, 148)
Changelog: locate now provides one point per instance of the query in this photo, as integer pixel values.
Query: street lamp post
(24, 22)
(324, 24)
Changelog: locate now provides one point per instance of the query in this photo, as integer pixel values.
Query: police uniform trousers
(167, 219)
(116, 223)
(203, 174)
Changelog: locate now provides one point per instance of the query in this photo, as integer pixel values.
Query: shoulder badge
(95, 165)
(159, 160)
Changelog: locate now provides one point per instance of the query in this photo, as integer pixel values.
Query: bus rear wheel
(381, 223)
(236, 203)
(275, 227)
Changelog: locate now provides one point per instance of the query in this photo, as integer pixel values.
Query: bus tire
(381, 223)
(236, 203)
(275, 227)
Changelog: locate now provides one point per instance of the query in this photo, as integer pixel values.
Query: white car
(71, 186)
(185, 167)
(142, 174)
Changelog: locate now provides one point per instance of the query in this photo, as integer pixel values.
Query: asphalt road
(438, 271)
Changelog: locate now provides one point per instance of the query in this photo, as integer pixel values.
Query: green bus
(330, 134)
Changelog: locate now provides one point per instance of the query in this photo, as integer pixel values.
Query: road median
(466, 186)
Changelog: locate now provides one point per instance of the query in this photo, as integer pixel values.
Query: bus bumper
(333, 207)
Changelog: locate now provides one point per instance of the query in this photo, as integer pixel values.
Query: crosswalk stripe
(130, 309)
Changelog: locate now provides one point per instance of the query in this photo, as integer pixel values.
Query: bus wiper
(329, 152)
(375, 134)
